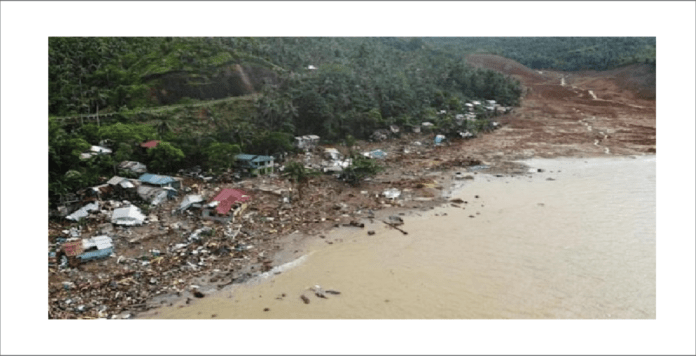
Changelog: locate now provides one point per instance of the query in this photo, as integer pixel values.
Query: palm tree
(300, 175)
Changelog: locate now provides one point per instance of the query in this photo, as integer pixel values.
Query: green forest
(207, 99)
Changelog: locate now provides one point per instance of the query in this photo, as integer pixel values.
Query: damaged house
(132, 167)
(78, 251)
(123, 188)
(306, 142)
(225, 205)
(156, 188)
(128, 216)
(254, 164)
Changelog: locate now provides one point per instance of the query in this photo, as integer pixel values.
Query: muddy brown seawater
(575, 240)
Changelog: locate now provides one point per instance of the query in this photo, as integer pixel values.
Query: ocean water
(576, 241)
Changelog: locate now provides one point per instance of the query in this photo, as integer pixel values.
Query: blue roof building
(160, 181)
(254, 164)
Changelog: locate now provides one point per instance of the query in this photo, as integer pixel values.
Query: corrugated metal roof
(227, 197)
(127, 184)
(133, 166)
(155, 179)
(130, 215)
(189, 200)
(100, 242)
(253, 158)
(115, 180)
(100, 149)
(150, 144)
(83, 212)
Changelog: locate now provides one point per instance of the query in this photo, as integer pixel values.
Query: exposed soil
(592, 114)
(556, 120)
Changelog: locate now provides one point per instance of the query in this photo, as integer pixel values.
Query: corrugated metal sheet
(115, 180)
(155, 179)
(133, 166)
(83, 212)
(91, 255)
(228, 197)
(130, 215)
(100, 242)
(100, 150)
(189, 200)
(253, 158)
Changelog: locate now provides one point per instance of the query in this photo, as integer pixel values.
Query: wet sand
(576, 241)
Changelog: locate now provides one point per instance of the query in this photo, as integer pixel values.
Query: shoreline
(310, 244)
(347, 237)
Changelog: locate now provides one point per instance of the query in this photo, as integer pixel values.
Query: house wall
(210, 214)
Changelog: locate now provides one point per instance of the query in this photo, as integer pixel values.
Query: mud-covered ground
(562, 114)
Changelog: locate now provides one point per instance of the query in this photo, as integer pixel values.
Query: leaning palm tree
(297, 173)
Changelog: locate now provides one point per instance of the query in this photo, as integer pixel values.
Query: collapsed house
(191, 201)
(133, 167)
(332, 154)
(155, 188)
(75, 251)
(122, 187)
(83, 212)
(154, 195)
(225, 205)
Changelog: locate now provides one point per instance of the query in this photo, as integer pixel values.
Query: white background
(26, 27)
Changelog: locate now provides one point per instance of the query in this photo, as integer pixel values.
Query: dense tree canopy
(332, 87)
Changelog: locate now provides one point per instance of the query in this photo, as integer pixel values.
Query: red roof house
(228, 197)
(150, 144)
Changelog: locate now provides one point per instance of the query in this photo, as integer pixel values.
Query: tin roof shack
(306, 142)
(132, 167)
(153, 195)
(122, 187)
(225, 205)
(254, 164)
(128, 216)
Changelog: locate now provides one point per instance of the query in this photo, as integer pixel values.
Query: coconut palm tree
(297, 173)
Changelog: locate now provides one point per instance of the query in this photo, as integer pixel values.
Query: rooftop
(150, 144)
(156, 179)
(228, 197)
(253, 158)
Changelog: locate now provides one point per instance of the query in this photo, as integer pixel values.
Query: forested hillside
(560, 53)
(209, 98)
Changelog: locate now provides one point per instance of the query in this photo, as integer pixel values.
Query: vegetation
(360, 169)
(253, 95)
(560, 53)
(298, 174)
